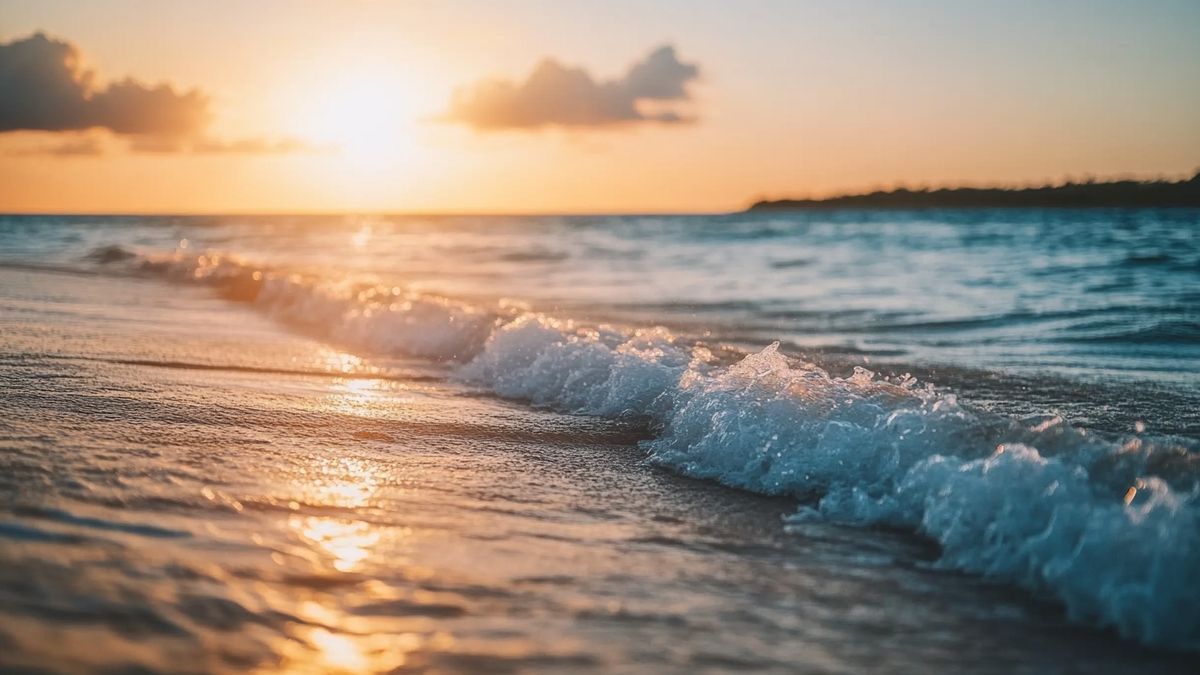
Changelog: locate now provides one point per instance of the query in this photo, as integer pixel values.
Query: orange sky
(758, 99)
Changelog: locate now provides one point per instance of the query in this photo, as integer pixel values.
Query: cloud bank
(558, 95)
(44, 87)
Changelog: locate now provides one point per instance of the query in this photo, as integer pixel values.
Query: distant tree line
(1090, 194)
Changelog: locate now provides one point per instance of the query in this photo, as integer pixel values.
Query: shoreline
(273, 496)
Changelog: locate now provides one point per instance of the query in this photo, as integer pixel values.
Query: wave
(1166, 332)
(1108, 526)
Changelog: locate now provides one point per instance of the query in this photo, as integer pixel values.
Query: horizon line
(899, 185)
(366, 213)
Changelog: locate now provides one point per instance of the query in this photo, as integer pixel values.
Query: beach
(218, 464)
(541, 337)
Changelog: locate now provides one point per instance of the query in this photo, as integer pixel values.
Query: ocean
(829, 441)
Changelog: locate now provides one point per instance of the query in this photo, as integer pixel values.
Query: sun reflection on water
(338, 651)
(362, 237)
(344, 483)
(338, 361)
(364, 397)
(339, 526)
(348, 542)
(327, 651)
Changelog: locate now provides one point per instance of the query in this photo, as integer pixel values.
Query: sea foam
(1108, 526)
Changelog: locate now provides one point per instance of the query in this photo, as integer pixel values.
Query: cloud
(128, 107)
(44, 88)
(558, 95)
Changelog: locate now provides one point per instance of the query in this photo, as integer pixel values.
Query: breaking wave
(1108, 526)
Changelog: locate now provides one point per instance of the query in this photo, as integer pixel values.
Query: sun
(366, 118)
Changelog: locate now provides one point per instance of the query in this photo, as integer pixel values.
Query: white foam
(880, 453)
(379, 319)
(598, 372)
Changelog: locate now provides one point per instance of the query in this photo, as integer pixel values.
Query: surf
(1106, 525)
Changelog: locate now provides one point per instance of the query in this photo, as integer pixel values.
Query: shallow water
(295, 459)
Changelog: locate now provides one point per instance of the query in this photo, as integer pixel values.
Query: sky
(540, 106)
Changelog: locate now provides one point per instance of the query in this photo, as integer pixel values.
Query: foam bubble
(598, 371)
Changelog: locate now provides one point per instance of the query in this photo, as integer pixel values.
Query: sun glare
(365, 119)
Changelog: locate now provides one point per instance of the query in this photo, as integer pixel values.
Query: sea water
(469, 443)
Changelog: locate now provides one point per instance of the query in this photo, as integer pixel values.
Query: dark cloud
(558, 95)
(43, 87)
(128, 107)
